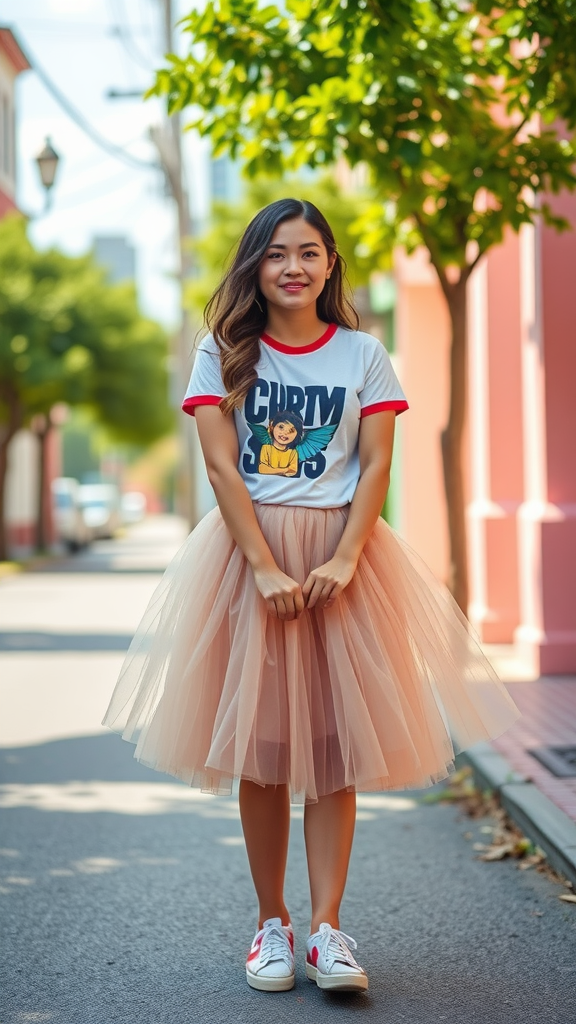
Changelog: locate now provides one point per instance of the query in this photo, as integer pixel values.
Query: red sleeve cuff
(189, 404)
(399, 405)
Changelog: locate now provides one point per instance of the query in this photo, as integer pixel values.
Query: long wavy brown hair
(236, 313)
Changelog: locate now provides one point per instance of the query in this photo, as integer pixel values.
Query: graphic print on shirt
(278, 417)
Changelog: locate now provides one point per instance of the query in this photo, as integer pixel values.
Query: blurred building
(117, 255)
(520, 446)
(12, 62)
(22, 478)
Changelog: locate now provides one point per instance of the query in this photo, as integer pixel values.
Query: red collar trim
(300, 350)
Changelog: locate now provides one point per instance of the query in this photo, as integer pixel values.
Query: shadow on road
(26, 642)
(80, 759)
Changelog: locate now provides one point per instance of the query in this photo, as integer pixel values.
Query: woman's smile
(294, 286)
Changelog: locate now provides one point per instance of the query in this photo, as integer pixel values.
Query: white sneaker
(270, 963)
(329, 961)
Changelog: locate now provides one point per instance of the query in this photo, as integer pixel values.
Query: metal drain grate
(561, 761)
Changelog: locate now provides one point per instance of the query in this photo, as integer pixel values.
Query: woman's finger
(325, 595)
(294, 603)
(315, 593)
(290, 607)
(280, 607)
(335, 592)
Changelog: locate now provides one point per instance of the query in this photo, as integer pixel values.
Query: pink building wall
(520, 448)
(422, 340)
(546, 634)
(496, 445)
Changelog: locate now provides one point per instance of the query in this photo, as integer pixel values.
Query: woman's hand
(325, 583)
(282, 594)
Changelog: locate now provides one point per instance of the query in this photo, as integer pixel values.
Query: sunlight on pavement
(28, 1018)
(55, 696)
(154, 798)
(97, 865)
(116, 797)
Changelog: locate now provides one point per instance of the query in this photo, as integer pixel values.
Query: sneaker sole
(337, 982)
(264, 984)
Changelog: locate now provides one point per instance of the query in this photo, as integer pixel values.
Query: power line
(124, 35)
(83, 28)
(148, 28)
(78, 118)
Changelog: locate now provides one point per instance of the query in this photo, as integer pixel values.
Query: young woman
(296, 643)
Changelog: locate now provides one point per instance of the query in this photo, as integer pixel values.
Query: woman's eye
(273, 255)
(311, 253)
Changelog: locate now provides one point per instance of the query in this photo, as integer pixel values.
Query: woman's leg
(329, 831)
(265, 815)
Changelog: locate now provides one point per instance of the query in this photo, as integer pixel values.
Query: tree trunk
(451, 442)
(43, 512)
(15, 420)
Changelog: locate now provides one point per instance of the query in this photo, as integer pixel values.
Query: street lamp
(47, 162)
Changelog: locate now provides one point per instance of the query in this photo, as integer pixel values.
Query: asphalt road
(125, 896)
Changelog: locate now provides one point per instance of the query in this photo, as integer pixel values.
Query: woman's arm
(375, 444)
(219, 442)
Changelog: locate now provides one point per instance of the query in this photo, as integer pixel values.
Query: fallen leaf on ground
(506, 837)
(497, 852)
(532, 861)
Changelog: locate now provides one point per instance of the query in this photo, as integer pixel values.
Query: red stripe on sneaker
(255, 951)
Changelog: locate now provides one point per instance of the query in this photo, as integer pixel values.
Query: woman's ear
(331, 261)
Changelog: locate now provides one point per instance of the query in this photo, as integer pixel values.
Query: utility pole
(168, 141)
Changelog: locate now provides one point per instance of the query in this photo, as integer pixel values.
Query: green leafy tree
(450, 107)
(66, 336)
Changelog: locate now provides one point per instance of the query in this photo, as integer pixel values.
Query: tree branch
(470, 266)
(430, 244)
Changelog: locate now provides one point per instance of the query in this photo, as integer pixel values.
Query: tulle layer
(375, 693)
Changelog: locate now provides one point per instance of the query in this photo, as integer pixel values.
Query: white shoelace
(336, 945)
(275, 945)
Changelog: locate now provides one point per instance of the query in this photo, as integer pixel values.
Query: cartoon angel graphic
(285, 443)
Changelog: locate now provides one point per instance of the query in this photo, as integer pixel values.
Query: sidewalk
(541, 802)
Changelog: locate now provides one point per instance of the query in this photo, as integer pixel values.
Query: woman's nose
(293, 265)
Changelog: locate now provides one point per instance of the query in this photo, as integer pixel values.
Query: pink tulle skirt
(374, 693)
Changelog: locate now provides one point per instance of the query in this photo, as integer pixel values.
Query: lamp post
(47, 162)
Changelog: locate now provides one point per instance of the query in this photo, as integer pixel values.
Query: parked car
(133, 506)
(101, 509)
(69, 523)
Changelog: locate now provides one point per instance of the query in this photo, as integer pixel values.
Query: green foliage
(68, 336)
(446, 103)
(79, 451)
(214, 249)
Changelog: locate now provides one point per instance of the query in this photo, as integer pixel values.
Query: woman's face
(284, 434)
(294, 269)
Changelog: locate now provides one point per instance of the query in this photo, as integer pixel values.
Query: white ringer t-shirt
(298, 427)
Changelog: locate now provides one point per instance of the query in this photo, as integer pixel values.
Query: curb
(544, 823)
(35, 563)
